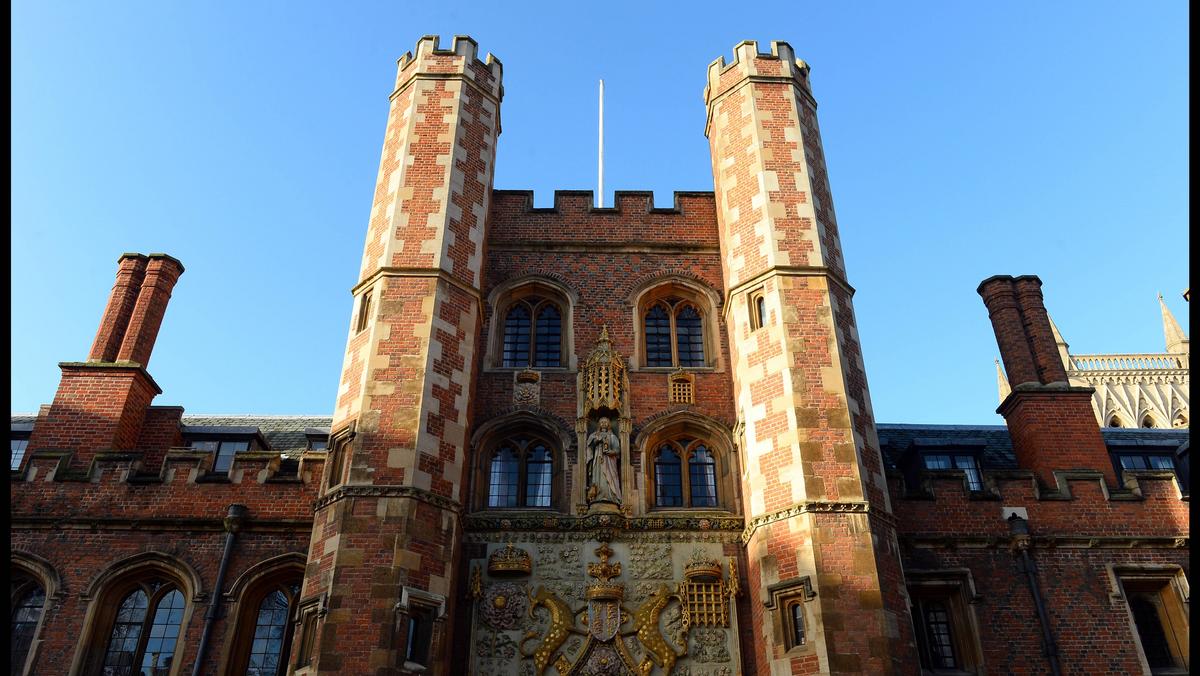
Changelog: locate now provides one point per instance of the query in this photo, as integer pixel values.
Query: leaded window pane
(25, 616)
(1161, 462)
(968, 465)
(702, 473)
(548, 345)
(937, 462)
(658, 337)
(121, 655)
(537, 477)
(502, 484)
(937, 630)
(225, 454)
(16, 452)
(689, 337)
(270, 633)
(516, 336)
(164, 632)
(668, 479)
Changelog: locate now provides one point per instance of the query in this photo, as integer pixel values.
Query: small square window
(364, 311)
(787, 600)
(758, 310)
(421, 611)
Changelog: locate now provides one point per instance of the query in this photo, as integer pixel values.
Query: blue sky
(963, 140)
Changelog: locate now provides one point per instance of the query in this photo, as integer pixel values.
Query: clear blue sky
(964, 139)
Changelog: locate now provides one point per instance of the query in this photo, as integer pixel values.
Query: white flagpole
(600, 196)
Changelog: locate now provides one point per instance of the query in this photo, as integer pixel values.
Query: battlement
(461, 59)
(780, 64)
(1151, 503)
(634, 221)
(627, 202)
(180, 466)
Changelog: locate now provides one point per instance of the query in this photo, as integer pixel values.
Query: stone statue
(604, 456)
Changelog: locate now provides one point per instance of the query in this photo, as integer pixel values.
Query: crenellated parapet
(626, 202)
(779, 65)
(114, 486)
(632, 223)
(1081, 504)
(461, 60)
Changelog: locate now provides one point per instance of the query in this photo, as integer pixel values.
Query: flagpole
(600, 196)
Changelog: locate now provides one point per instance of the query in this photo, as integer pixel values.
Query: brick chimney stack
(1051, 422)
(101, 403)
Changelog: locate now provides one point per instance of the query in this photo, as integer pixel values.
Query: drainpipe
(233, 523)
(1019, 527)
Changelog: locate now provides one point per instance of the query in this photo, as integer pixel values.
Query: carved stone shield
(604, 618)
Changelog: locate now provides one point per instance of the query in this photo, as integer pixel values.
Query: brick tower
(386, 534)
(820, 533)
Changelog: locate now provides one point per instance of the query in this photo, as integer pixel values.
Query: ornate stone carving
(650, 562)
(504, 605)
(603, 377)
(603, 464)
(509, 561)
(710, 644)
(527, 388)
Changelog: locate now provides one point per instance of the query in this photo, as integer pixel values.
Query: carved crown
(510, 561)
(701, 569)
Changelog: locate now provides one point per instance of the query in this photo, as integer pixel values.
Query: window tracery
(533, 334)
(27, 598)
(675, 488)
(520, 473)
(532, 325)
(674, 334)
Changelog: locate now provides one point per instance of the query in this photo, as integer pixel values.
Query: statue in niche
(604, 458)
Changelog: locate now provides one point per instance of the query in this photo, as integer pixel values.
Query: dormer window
(223, 442)
(967, 462)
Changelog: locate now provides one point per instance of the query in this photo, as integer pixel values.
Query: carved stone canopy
(603, 377)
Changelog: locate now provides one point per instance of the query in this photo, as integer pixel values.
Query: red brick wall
(1090, 625)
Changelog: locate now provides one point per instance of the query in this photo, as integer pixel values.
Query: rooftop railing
(1128, 362)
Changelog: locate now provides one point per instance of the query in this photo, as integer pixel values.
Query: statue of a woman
(604, 456)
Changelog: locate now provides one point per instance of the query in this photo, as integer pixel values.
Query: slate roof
(995, 444)
(288, 433)
(284, 433)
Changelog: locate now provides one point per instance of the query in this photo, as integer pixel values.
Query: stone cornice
(785, 271)
(663, 248)
(559, 522)
(108, 523)
(816, 507)
(438, 273)
(957, 541)
(470, 81)
(367, 491)
(112, 366)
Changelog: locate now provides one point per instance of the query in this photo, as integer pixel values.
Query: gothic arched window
(27, 599)
(520, 473)
(145, 630)
(533, 333)
(674, 333)
(675, 488)
(271, 639)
